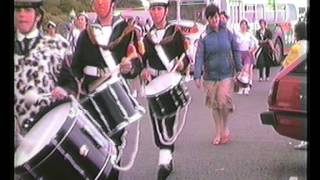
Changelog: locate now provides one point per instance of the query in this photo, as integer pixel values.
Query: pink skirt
(246, 57)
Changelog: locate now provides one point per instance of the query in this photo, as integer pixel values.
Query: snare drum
(166, 94)
(64, 144)
(113, 106)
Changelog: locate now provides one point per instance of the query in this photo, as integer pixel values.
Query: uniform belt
(95, 71)
(156, 72)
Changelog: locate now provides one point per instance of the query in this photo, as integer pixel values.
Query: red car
(287, 101)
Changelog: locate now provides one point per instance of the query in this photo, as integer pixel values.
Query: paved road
(256, 152)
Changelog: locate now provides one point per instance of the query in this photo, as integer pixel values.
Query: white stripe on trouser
(165, 156)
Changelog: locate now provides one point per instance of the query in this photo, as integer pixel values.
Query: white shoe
(302, 146)
(246, 91)
(240, 91)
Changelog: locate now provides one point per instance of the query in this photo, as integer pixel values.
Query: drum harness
(113, 73)
(171, 67)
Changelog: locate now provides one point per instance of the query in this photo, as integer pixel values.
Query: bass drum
(64, 144)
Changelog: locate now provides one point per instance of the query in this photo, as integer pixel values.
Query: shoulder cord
(164, 40)
(112, 44)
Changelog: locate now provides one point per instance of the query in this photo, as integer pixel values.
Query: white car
(192, 31)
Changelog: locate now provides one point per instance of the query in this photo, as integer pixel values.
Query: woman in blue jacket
(218, 56)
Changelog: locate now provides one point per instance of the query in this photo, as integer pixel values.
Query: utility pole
(207, 2)
(178, 10)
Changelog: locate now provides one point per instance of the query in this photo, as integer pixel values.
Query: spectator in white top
(224, 18)
(80, 24)
(52, 32)
(248, 44)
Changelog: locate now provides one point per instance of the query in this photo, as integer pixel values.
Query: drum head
(162, 83)
(41, 134)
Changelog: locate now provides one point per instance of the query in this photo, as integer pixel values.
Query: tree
(128, 3)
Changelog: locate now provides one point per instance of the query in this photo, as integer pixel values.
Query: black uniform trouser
(264, 61)
(169, 127)
(114, 174)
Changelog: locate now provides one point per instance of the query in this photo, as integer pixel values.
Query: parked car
(192, 31)
(287, 101)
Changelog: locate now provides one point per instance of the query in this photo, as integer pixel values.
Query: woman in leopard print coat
(37, 63)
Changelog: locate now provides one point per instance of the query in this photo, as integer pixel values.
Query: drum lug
(28, 124)
(84, 150)
(176, 103)
(160, 105)
(73, 112)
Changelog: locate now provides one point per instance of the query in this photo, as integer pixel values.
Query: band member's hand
(146, 75)
(125, 66)
(59, 93)
(32, 96)
(131, 51)
(180, 66)
(198, 83)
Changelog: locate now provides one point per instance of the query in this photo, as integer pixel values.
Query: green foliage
(128, 3)
(65, 6)
(58, 10)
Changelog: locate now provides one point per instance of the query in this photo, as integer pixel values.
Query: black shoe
(164, 171)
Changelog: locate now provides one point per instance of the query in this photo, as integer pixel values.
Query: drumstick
(32, 96)
(46, 94)
(101, 80)
(107, 76)
(178, 62)
(130, 56)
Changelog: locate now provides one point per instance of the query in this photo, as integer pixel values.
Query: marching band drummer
(37, 64)
(173, 47)
(88, 64)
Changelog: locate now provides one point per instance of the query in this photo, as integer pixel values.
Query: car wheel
(279, 56)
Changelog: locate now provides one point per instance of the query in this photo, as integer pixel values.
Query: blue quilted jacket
(217, 55)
